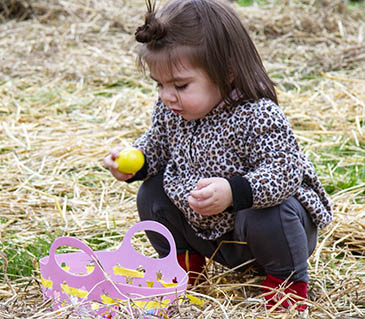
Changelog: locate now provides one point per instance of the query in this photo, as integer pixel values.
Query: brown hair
(213, 38)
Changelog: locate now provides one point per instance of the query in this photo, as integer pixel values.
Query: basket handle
(74, 242)
(126, 246)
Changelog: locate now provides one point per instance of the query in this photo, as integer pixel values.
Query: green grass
(340, 168)
(357, 4)
(98, 242)
(114, 88)
(353, 4)
(22, 258)
(246, 3)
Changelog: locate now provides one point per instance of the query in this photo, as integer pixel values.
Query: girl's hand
(109, 162)
(211, 196)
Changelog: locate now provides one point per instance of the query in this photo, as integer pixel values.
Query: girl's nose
(168, 96)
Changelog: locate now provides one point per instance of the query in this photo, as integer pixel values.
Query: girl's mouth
(176, 111)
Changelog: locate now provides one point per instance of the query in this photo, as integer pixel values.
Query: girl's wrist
(241, 193)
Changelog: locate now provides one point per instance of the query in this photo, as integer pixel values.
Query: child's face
(186, 90)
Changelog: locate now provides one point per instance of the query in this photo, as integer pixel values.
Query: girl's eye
(181, 87)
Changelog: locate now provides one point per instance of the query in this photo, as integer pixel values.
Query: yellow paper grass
(70, 91)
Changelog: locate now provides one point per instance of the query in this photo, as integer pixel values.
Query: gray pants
(280, 238)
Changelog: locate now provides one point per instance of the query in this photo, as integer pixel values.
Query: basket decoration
(101, 281)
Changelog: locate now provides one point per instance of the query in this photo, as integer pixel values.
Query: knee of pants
(150, 196)
(247, 220)
(278, 237)
(269, 222)
(145, 213)
(154, 204)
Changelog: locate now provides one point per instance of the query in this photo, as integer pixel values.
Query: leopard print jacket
(253, 140)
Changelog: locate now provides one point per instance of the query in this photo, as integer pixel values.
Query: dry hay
(15, 9)
(70, 91)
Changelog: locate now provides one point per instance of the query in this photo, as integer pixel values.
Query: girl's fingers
(115, 152)
(120, 176)
(201, 193)
(110, 163)
(200, 205)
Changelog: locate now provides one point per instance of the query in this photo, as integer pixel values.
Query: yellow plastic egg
(130, 160)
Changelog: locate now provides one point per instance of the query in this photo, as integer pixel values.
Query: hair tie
(152, 30)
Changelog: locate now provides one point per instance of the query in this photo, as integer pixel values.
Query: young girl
(222, 163)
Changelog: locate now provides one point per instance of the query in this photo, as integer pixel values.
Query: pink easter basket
(101, 281)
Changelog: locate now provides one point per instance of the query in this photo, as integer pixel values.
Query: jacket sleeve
(274, 156)
(154, 143)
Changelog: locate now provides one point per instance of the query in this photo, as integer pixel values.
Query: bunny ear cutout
(147, 225)
(87, 253)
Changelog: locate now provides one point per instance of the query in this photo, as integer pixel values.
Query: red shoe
(193, 264)
(298, 288)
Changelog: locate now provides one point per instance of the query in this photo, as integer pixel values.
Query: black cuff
(141, 174)
(241, 193)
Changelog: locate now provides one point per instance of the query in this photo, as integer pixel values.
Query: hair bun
(152, 30)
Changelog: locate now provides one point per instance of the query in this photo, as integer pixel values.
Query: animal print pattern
(253, 140)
